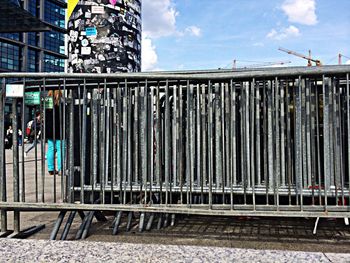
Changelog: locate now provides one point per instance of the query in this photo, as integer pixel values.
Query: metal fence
(272, 142)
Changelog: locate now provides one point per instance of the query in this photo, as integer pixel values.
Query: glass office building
(37, 51)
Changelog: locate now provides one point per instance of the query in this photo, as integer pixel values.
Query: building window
(33, 38)
(54, 14)
(14, 36)
(32, 7)
(10, 57)
(53, 64)
(33, 61)
(54, 41)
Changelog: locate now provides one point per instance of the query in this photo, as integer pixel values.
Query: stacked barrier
(267, 142)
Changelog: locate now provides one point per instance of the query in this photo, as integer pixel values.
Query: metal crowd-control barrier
(264, 142)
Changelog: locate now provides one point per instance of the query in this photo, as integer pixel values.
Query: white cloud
(159, 18)
(193, 31)
(347, 62)
(149, 54)
(259, 44)
(283, 33)
(300, 11)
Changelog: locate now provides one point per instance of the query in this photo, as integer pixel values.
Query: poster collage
(105, 37)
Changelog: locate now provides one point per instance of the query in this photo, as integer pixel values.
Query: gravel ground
(65, 251)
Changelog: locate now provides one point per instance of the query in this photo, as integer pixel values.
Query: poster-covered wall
(105, 36)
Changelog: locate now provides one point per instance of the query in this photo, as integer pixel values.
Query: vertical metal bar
(251, 139)
(336, 136)
(299, 141)
(340, 133)
(266, 91)
(54, 145)
(36, 181)
(308, 133)
(203, 140)
(114, 143)
(308, 136)
(258, 130)
(348, 123)
(143, 135)
(42, 128)
(158, 162)
(289, 92)
(277, 157)
(83, 147)
(319, 168)
(95, 141)
(71, 147)
(136, 133)
(125, 141)
(227, 137)
(190, 140)
(108, 132)
(175, 136)
(233, 141)
(283, 130)
(303, 134)
(223, 148)
(271, 161)
(22, 174)
(313, 139)
(63, 144)
(81, 179)
(3, 190)
(326, 135)
(243, 135)
(16, 179)
(129, 142)
(167, 143)
(119, 142)
(210, 141)
(151, 141)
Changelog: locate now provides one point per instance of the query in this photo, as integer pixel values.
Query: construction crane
(261, 64)
(340, 58)
(308, 58)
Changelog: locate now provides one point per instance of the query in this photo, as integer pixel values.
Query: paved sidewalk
(12, 250)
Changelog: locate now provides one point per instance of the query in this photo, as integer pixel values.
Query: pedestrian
(34, 133)
(20, 137)
(9, 131)
(53, 133)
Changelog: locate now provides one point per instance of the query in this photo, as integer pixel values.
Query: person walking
(34, 133)
(53, 133)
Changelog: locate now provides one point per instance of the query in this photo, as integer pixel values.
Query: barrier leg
(117, 222)
(128, 225)
(315, 227)
(142, 222)
(88, 224)
(57, 226)
(150, 222)
(68, 225)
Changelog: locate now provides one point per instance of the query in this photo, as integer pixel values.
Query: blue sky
(208, 34)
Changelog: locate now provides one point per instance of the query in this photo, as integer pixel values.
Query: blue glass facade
(33, 61)
(10, 57)
(36, 51)
(54, 14)
(54, 41)
(53, 64)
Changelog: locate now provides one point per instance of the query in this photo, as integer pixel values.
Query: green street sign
(32, 98)
(48, 103)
